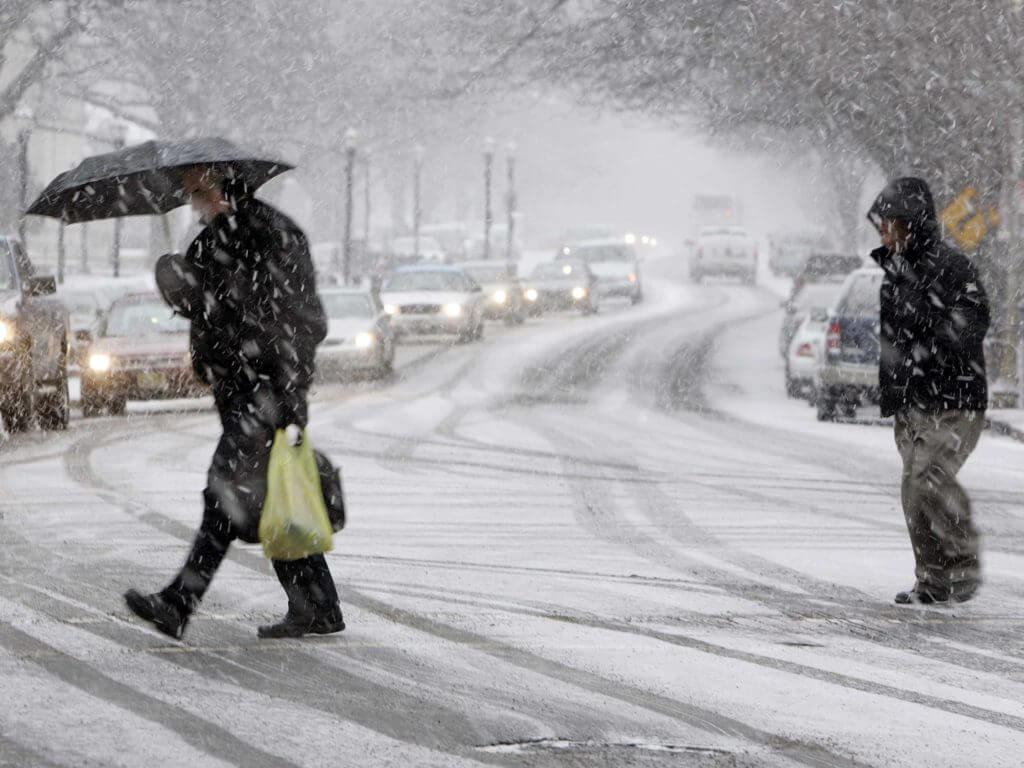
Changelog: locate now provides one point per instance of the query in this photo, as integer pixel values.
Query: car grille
(150, 363)
(420, 309)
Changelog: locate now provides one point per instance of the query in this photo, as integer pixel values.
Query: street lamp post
(119, 133)
(511, 201)
(24, 119)
(350, 161)
(417, 202)
(488, 216)
(366, 199)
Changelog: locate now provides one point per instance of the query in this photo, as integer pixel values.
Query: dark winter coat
(934, 313)
(254, 337)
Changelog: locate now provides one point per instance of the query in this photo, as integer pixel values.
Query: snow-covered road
(595, 541)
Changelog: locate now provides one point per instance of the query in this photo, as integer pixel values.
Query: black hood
(907, 198)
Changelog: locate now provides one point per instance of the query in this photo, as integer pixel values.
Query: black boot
(922, 595)
(312, 599)
(296, 624)
(164, 615)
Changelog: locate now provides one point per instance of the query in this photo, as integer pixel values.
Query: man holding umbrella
(247, 285)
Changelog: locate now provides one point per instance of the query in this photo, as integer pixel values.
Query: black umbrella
(145, 179)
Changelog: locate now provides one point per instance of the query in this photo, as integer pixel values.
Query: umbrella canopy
(144, 179)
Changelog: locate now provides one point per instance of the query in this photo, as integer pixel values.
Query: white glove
(293, 434)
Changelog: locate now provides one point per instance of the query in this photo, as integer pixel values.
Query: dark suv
(849, 373)
(34, 345)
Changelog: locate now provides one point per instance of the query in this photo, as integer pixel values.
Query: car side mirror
(818, 314)
(40, 286)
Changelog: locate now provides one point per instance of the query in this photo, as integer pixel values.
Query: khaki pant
(938, 513)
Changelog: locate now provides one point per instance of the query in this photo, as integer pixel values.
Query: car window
(143, 319)
(862, 297)
(600, 254)
(428, 281)
(816, 295)
(346, 305)
(488, 274)
(550, 270)
(80, 303)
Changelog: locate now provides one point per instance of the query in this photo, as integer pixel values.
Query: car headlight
(632, 277)
(531, 294)
(365, 340)
(499, 297)
(100, 362)
(453, 310)
(579, 292)
(6, 331)
(392, 309)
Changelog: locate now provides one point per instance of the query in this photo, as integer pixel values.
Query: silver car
(428, 299)
(848, 375)
(501, 287)
(359, 334)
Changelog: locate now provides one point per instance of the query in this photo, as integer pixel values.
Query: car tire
(792, 388)
(826, 407)
(118, 405)
(54, 411)
(17, 404)
(636, 298)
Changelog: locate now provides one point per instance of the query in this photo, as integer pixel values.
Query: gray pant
(938, 513)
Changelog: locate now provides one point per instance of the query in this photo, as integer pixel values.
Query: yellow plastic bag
(294, 522)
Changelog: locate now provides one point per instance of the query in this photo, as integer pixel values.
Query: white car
(427, 299)
(725, 252)
(359, 334)
(615, 262)
(806, 354)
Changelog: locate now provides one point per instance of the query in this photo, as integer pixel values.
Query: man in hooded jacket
(934, 316)
(247, 285)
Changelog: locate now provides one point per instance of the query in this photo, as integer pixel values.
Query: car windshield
(599, 254)
(816, 295)
(143, 319)
(488, 274)
(862, 299)
(555, 270)
(347, 305)
(427, 281)
(80, 303)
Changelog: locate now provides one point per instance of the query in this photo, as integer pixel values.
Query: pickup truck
(34, 344)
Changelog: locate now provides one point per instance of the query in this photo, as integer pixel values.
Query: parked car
(428, 299)
(35, 342)
(141, 352)
(615, 263)
(800, 303)
(848, 374)
(789, 252)
(85, 309)
(429, 249)
(557, 285)
(501, 287)
(724, 252)
(450, 236)
(359, 334)
(806, 353)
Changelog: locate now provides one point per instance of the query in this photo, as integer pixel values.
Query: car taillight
(805, 350)
(833, 341)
